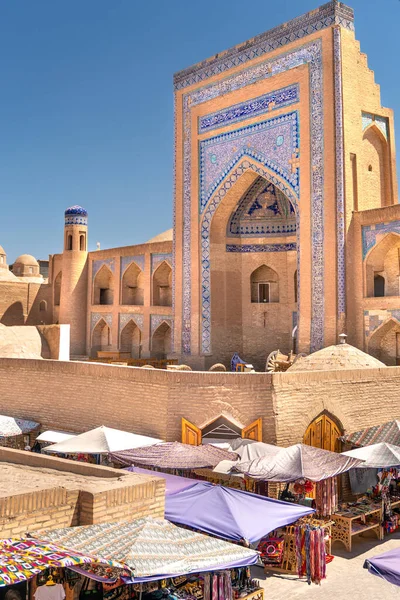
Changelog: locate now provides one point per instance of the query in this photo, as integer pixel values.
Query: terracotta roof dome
(76, 210)
(165, 236)
(26, 259)
(334, 358)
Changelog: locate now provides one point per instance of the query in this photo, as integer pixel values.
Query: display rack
(257, 594)
(349, 524)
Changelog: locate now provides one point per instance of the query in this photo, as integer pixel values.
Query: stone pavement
(346, 578)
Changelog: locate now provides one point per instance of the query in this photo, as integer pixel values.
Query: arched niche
(57, 289)
(101, 337)
(130, 340)
(264, 285)
(43, 306)
(162, 285)
(132, 292)
(103, 286)
(161, 341)
(382, 267)
(384, 343)
(376, 172)
(13, 315)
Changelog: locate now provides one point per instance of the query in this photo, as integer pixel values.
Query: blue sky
(86, 104)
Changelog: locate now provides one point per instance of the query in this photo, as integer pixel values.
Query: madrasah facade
(286, 229)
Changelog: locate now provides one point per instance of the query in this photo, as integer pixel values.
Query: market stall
(164, 556)
(17, 433)
(387, 432)
(386, 565)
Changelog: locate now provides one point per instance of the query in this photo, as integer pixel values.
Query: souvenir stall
(96, 444)
(305, 546)
(17, 433)
(166, 560)
(46, 438)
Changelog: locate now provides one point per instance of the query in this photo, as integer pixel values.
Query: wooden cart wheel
(270, 366)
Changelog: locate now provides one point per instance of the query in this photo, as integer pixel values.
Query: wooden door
(253, 431)
(323, 433)
(190, 433)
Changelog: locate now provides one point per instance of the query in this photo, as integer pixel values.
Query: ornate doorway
(323, 433)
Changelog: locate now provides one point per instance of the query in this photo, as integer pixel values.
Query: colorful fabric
(388, 432)
(21, 560)
(153, 548)
(10, 427)
(310, 553)
(326, 498)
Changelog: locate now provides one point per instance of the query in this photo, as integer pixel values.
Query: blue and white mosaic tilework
(381, 122)
(250, 108)
(97, 264)
(340, 216)
(260, 247)
(157, 259)
(128, 260)
(76, 215)
(370, 233)
(375, 318)
(95, 317)
(273, 143)
(124, 319)
(308, 54)
(325, 16)
(263, 211)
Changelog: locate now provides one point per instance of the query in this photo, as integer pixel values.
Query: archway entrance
(323, 433)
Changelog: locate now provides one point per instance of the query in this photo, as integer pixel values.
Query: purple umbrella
(386, 565)
(229, 513)
(173, 483)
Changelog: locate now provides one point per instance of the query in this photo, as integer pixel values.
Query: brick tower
(73, 299)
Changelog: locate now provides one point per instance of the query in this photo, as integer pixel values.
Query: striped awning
(388, 432)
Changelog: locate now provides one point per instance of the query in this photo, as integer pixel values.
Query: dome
(165, 236)
(26, 259)
(76, 210)
(2, 251)
(334, 358)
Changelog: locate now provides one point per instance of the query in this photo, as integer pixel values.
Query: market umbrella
(21, 560)
(101, 440)
(174, 455)
(54, 436)
(388, 432)
(154, 548)
(386, 565)
(10, 427)
(229, 513)
(376, 456)
(298, 462)
(248, 452)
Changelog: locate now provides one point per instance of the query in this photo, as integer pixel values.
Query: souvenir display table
(355, 519)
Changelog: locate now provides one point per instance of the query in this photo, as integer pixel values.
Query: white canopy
(377, 455)
(248, 452)
(55, 436)
(102, 440)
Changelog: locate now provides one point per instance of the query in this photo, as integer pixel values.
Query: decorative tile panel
(128, 260)
(97, 264)
(340, 216)
(308, 54)
(156, 320)
(325, 16)
(157, 259)
(96, 317)
(263, 211)
(381, 122)
(250, 108)
(273, 143)
(375, 318)
(124, 319)
(261, 247)
(371, 233)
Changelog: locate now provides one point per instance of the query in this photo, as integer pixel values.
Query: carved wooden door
(190, 433)
(253, 431)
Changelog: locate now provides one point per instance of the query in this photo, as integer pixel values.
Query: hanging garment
(362, 479)
(326, 497)
(50, 592)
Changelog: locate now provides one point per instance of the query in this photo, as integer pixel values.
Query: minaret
(74, 280)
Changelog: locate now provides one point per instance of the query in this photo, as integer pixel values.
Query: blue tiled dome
(76, 210)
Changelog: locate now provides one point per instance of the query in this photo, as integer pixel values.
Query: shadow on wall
(14, 315)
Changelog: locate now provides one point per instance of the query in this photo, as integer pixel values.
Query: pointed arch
(162, 285)
(384, 343)
(130, 339)
(161, 341)
(323, 432)
(57, 289)
(264, 285)
(103, 286)
(375, 168)
(101, 336)
(132, 286)
(382, 267)
(42, 306)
